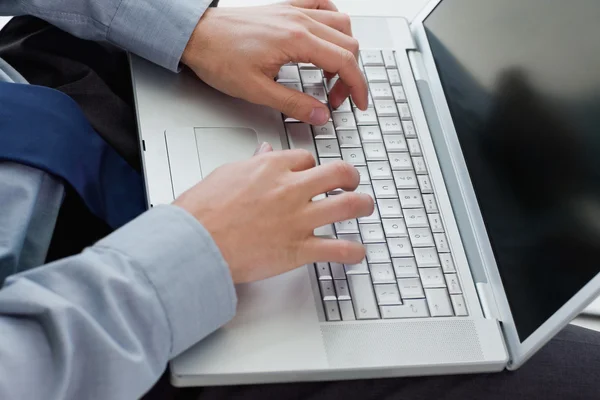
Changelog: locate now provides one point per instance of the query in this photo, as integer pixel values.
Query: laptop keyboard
(409, 271)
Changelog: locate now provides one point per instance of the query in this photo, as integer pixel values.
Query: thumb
(293, 103)
(263, 148)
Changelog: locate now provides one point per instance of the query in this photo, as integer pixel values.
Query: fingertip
(319, 116)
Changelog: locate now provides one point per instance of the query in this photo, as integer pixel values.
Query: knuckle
(291, 104)
(346, 21)
(347, 57)
(306, 156)
(345, 172)
(354, 46)
(296, 33)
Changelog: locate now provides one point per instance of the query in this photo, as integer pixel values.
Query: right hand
(260, 214)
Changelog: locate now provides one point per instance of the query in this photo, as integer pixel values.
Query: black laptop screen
(522, 79)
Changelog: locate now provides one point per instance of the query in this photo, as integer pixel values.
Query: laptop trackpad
(218, 146)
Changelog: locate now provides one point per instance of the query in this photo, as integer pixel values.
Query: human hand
(260, 214)
(239, 51)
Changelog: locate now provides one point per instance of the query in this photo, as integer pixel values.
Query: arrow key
(410, 309)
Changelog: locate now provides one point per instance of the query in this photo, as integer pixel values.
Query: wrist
(196, 43)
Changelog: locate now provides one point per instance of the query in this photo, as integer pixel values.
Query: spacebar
(300, 137)
(363, 297)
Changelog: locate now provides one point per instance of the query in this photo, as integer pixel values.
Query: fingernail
(318, 116)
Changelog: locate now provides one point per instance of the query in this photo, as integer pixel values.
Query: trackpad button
(218, 146)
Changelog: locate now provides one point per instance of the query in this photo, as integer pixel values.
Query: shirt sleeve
(103, 324)
(157, 30)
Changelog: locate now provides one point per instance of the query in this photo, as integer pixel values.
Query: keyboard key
(325, 231)
(363, 297)
(376, 74)
(327, 290)
(370, 134)
(371, 57)
(420, 167)
(311, 77)
(341, 289)
(379, 169)
(381, 91)
(318, 92)
(441, 242)
(409, 129)
(405, 180)
(329, 84)
(453, 284)
(369, 100)
(404, 111)
(332, 310)
(427, 257)
(372, 233)
(395, 143)
(410, 288)
(430, 203)
(323, 271)
(351, 237)
(413, 147)
(348, 226)
(324, 132)
(432, 277)
(288, 73)
(366, 189)
(328, 160)
(394, 77)
(347, 310)
(389, 208)
(439, 303)
(399, 95)
(458, 303)
(344, 107)
(367, 117)
(374, 217)
(447, 263)
(400, 161)
(328, 148)
(354, 156)
(377, 253)
(390, 125)
(382, 273)
(386, 108)
(410, 198)
(344, 120)
(293, 85)
(394, 227)
(385, 189)
(356, 269)
(300, 137)
(387, 294)
(420, 237)
(410, 309)
(363, 172)
(405, 267)
(400, 247)
(436, 223)
(375, 151)
(337, 270)
(415, 217)
(307, 66)
(389, 59)
(349, 139)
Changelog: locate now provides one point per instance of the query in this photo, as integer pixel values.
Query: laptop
(480, 149)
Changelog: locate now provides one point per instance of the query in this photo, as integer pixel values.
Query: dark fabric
(45, 129)
(568, 368)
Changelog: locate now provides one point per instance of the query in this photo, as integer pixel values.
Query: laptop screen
(522, 79)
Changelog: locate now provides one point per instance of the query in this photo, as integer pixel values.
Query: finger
(297, 159)
(338, 94)
(333, 35)
(292, 103)
(333, 250)
(341, 207)
(331, 176)
(338, 21)
(333, 58)
(314, 4)
(263, 148)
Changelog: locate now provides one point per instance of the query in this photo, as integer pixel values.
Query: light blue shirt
(103, 324)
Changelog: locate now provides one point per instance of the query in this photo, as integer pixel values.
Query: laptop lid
(516, 89)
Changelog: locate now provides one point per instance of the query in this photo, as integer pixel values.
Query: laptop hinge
(417, 65)
(488, 303)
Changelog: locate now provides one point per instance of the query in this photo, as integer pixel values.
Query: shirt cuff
(157, 30)
(185, 266)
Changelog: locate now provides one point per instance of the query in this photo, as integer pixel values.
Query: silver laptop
(480, 148)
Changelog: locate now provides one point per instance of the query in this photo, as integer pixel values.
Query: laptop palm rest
(218, 146)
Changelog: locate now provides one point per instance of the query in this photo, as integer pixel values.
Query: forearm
(103, 324)
(157, 30)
